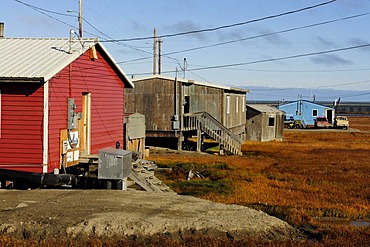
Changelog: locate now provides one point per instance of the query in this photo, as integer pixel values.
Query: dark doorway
(187, 105)
(329, 115)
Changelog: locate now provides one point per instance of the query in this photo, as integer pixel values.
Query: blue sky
(119, 20)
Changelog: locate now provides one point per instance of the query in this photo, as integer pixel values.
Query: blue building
(307, 111)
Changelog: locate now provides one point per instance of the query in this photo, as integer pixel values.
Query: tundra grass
(308, 176)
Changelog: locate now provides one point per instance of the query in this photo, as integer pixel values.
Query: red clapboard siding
(21, 140)
(107, 109)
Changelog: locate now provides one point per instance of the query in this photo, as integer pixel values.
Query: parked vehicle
(341, 122)
(288, 122)
(298, 124)
(322, 122)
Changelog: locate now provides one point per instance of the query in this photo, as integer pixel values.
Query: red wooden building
(38, 80)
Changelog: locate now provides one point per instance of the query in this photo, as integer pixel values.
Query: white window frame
(317, 112)
(228, 104)
(237, 105)
(243, 104)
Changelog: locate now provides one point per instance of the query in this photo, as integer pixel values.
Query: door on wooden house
(187, 105)
(85, 124)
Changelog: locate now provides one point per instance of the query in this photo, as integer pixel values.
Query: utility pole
(155, 53)
(185, 62)
(159, 55)
(80, 19)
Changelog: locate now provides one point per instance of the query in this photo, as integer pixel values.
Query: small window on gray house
(243, 104)
(314, 113)
(271, 121)
(228, 104)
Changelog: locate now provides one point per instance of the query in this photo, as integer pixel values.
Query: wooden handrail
(215, 129)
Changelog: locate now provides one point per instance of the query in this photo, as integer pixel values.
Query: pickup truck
(321, 122)
(341, 122)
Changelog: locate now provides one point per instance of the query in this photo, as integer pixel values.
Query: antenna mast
(80, 19)
(159, 55)
(155, 53)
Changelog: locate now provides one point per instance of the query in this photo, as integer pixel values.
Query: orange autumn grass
(310, 174)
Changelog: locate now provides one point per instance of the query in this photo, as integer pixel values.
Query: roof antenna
(70, 39)
(71, 32)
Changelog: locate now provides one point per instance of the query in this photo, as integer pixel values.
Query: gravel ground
(43, 213)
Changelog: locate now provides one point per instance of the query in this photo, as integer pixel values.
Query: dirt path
(39, 214)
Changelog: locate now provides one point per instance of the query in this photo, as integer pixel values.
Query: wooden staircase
(216, 130)
(143, 175)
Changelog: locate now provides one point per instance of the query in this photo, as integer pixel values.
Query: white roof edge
(264, 108)
(115, 64)
(192, 81)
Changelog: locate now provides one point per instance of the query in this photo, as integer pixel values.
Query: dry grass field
(316, 180)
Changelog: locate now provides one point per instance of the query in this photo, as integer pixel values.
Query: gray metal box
(175, 125)
(114, 163)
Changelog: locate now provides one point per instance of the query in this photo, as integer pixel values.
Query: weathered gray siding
(155, 99)
(206, 99)
(234, 115)
(259, 127)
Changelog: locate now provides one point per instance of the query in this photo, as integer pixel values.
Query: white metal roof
(207, 84)
(264, 108)
(40, 59)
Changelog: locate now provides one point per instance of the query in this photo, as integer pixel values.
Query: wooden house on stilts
(177, 109)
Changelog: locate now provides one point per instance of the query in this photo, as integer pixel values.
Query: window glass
(271, 121)
(314, 113)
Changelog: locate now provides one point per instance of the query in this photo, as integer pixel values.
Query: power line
(44, 10)
(343, 84)
(318, 87)
(255, 37)
(227, 26)
(301, 71)
(281, 58)
(271, 59)
(102, 16)
(270, 34)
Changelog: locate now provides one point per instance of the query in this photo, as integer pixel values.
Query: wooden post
(199, 140)
(181, 118)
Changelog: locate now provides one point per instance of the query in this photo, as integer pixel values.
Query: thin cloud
(38, 21)
(356, 5)
(359, 42)
(185, 26)
(274, 39)
(331, 60)
(324, 43)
